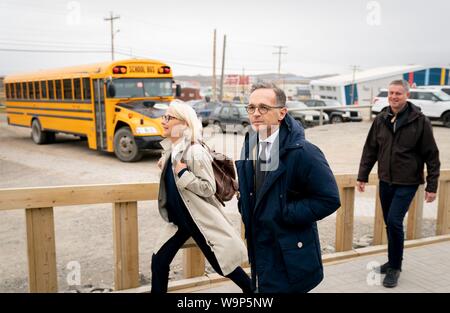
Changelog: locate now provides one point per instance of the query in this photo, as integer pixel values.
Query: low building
(188, 93)
(362, 86)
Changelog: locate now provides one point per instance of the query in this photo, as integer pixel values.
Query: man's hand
(180, 166)
(430, 196)
(361, 186)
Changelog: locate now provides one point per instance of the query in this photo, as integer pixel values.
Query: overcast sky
(321, 36)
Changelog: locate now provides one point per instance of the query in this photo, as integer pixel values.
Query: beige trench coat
(197, 187)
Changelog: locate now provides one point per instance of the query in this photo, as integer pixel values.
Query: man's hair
(401, 82)
(279, 93)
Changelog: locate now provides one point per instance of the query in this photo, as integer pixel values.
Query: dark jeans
(162, 259)
(395, 201)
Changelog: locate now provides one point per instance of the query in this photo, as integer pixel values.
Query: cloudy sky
(321, 36)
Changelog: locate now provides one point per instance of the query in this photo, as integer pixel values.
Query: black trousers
(395, 201)
(162, 259)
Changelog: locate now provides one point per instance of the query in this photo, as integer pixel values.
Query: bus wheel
(51, 137)
(125, 147)
(39, 137)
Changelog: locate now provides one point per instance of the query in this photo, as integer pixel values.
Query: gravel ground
(84, 233)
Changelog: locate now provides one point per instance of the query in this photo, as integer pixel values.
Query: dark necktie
(261, 166)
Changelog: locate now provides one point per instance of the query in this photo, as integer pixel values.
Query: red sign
(237, 80)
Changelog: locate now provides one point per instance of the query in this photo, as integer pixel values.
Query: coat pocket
(300, 256)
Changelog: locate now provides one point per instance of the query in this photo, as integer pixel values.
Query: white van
(444, 88)
(434, 103)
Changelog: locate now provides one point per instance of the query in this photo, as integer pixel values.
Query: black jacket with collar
(401, 155)
(280, 221)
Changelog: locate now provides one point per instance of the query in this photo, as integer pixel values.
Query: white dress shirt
(269, 140)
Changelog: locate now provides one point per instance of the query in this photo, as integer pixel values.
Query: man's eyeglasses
(167, 117)
(262, 108)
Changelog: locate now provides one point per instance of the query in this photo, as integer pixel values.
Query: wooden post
(443, 218)
(344, 219)
(379, 231)
(194, 262)
(126, 251)
(41, 250)
(415, 215)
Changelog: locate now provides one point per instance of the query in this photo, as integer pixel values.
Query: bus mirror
(178, 91)
(111, 90)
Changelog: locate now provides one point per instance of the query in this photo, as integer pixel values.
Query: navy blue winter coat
(280, 224)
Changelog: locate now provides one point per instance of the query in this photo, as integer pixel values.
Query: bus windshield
(143, 87)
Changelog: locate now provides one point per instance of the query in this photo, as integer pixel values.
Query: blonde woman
(187, 203)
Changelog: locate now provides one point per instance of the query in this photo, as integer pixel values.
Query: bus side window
(37, 93)
(51, 89)
(8, 96)
(58, 89)
(44, 89)
(67, 84)
(24, 91)
(77, 88)
(30, 90)
(86, 89)
(18, 91)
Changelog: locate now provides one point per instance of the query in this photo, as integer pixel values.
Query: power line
(24, 46)
(52, 51)
(247, 43)
(50, 43)
(121, 52)
(193, 64)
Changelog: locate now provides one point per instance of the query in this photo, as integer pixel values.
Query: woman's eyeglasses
(167, 117)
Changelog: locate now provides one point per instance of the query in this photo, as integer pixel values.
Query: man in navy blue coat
(285, 186)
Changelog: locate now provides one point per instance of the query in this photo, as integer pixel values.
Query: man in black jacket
(401, 140)
(286, 186)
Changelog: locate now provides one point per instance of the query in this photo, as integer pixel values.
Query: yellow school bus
(116, 106)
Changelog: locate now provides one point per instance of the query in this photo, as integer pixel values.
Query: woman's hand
(160, 162)
(180, 166)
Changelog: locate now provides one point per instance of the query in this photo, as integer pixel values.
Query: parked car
(435, 104)
(192, 103)
(230, 117)
(335, 115)
(445, 88)
(305, 118)
(204, 110)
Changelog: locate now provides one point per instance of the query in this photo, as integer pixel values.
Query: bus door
(100, 118)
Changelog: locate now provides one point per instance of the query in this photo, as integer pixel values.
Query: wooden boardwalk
(425, 269)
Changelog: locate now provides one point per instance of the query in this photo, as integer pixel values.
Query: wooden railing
(39, 203)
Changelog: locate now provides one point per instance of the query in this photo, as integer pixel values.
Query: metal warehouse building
(362, 86)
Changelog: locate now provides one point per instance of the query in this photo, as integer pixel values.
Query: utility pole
(223, 67)
(279, 52)
(214, 83)
(352, 95)
(111, 19)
